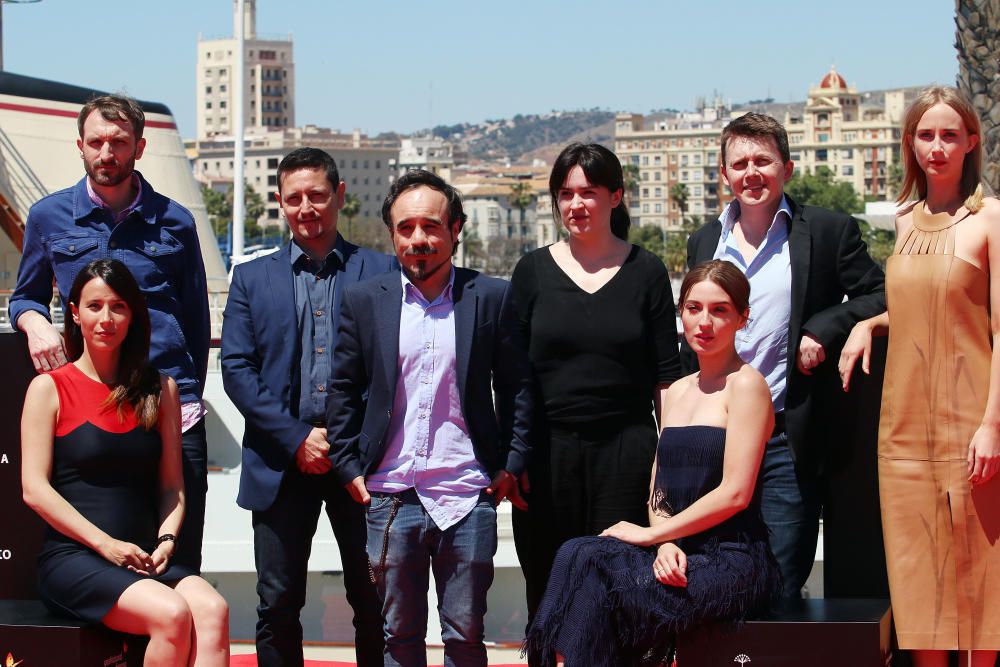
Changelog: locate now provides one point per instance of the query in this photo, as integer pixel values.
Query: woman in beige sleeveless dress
(939, 435)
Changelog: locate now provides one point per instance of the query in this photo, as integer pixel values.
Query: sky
(382, 65)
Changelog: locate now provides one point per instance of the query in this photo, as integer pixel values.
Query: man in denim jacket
(114, 213)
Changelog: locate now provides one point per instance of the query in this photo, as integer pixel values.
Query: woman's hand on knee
(127, 555)
(670, 566)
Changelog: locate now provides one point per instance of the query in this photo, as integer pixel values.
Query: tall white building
(268, 83)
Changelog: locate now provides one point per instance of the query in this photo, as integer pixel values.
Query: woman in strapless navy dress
(620, 599)
(101, 464)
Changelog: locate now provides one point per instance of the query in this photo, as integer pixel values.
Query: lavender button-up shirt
(429, 448)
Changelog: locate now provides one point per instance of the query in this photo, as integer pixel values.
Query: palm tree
(520, 197)
(679, 194)
(631, 174)
(977, 39)
(351, 208)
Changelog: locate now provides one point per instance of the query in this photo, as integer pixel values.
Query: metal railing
(23, 184)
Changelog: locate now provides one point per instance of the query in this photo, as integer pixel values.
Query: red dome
(833, 80)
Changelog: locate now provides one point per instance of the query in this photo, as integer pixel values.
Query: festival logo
(742, 658)
(9, 662)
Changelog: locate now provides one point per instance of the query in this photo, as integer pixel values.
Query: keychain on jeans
(396, 502)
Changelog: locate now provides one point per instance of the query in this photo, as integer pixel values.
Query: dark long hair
(138, 384)
(601, 167)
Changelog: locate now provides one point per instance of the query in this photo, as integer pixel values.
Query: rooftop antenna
(2, 3)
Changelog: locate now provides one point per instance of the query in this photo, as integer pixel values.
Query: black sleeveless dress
(603, 605)
(108, 470)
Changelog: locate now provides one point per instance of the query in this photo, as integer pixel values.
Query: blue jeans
(461, 558)
(790, 504)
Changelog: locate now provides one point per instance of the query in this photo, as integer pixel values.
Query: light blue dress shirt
(763, 342)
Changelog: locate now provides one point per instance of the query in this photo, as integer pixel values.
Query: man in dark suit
(433, 451)
(279, 330)
(801, 262)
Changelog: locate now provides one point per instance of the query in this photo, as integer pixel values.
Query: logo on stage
(5, 554)
(9, 662)
(742, 658)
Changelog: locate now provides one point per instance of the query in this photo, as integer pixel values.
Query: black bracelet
(166, 537)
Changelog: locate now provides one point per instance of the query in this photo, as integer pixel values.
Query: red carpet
(251, 661)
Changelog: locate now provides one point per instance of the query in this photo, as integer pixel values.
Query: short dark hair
(309, 158)
(757, 125)
(724, 274)
(415, 178)
(138, 383)
(114, 108)
(602, 167)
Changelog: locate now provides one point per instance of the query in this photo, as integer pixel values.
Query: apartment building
(365, 165)
(268, 83)
(855, 135)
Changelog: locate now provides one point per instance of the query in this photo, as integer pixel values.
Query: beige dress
(940, 532)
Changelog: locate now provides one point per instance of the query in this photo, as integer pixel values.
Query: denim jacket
(158, 243)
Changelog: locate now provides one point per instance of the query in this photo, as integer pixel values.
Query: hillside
(515, 139)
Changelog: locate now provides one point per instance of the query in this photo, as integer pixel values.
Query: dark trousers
(194, 459)
(282, 543)
(790, 503)
(584, 478)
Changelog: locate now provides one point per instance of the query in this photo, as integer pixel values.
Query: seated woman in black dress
(101, 463)
(619, 599)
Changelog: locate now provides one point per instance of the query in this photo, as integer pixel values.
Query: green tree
(679, 195)
(220, 211)
(520, 197)
(881, 242)
(895, 180)
(820, 189)
(669, 246)
(631, 174)
(472, 249)
(350, 210)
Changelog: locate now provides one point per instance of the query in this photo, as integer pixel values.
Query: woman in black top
(597, 314)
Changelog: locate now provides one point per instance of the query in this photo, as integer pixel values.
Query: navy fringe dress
(603, 605)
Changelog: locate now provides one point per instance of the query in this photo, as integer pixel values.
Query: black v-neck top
(597, 355)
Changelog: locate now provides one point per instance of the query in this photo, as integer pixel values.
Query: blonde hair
(914, 179)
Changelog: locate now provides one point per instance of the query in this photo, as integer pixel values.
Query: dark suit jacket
(261, 356)
(489, 357)
(829, 261)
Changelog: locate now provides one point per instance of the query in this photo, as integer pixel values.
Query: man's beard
(122, 173)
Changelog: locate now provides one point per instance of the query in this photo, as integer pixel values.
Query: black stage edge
(21, 530)
(31, 636)
(802, 633)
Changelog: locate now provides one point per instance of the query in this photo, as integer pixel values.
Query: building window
(645, 160)
(823, 137)
(795, 156)
(272, 180)
(272, 163)
(659, 192)
(645, 208)
(222, 104)
(222, 87)
(696, 191)
(658, 208)
(821, 155)
(656, 176)
(208, 105)
(645, 192)
(208, 90)
(847, 170)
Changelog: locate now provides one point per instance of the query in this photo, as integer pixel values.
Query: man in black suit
(280, 326)
(444, 433)
(801, 262)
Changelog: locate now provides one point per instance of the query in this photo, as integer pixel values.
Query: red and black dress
(108, 469)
